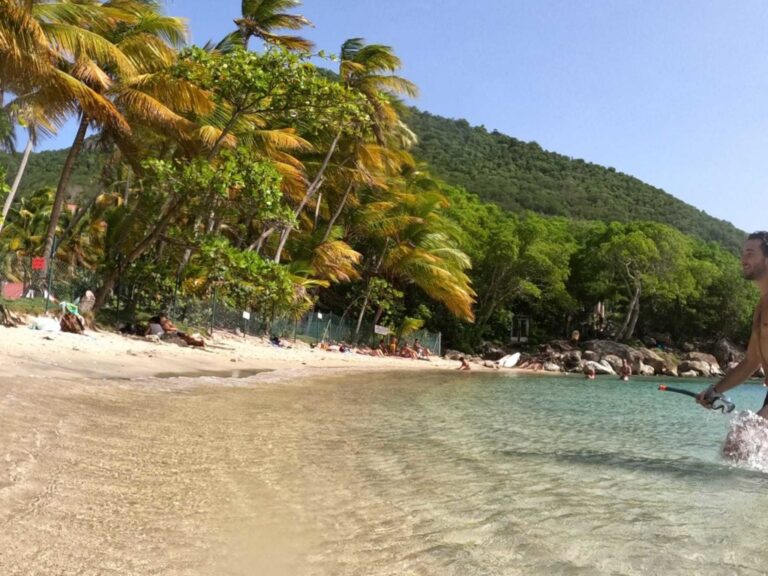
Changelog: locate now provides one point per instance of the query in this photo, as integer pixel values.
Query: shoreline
(112, 356)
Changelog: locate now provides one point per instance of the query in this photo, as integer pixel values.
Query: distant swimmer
(625, 371)
(754, 265)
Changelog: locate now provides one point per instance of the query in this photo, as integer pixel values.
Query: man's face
(754, 264)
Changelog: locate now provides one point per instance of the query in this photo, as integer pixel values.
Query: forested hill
(44, 168)
(522, 176)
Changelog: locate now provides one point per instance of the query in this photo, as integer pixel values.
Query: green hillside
(44, 168)
(522, 176)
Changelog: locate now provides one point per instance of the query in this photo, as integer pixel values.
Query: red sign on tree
(38, 263)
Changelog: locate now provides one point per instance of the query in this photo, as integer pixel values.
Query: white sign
(246, 315)
(383, 330)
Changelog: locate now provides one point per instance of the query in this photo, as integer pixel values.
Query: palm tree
(261, 18)
(25, 52)
(368, 70)
(145, 39)
(409, 240)
(47, 53)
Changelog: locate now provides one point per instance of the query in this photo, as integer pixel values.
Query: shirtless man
(754, 265)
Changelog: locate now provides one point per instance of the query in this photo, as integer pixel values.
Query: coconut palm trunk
(336, 214)
(314, 187)
(16, 182)
(61, 189)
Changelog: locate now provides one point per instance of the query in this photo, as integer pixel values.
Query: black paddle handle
(666, 388)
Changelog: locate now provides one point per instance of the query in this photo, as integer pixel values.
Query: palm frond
(73, 42)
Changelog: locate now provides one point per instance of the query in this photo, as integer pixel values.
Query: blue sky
(672, 92)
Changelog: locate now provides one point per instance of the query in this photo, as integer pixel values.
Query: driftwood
(8, 318)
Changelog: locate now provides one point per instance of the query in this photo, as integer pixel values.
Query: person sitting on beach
(408, 352)
(464, 364)
(392, 345)
(421, 351)
(383, 348)
(162, 326)
(275, 341)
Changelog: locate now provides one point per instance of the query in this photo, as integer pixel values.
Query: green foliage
(243, 278)
(387, 301)
(273, 84)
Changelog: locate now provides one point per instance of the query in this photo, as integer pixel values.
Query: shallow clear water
(429, 473)
(478, 474)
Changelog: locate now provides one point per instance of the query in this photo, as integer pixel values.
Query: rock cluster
(607, 356)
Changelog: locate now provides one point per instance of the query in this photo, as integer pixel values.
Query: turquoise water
(475, 474)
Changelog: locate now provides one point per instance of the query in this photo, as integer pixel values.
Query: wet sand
(121, 456)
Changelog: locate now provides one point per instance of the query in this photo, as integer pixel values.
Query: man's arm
(737, 375)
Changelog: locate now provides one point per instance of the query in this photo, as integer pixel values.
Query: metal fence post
(213, 309)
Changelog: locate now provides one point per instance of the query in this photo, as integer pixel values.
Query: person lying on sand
(365, 351)
(162, 326)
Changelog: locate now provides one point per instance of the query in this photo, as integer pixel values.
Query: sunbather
(162, 326)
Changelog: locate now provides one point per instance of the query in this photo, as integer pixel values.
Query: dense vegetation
(258, 176)
(522, 176)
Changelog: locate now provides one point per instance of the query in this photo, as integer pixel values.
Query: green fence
(312, 327)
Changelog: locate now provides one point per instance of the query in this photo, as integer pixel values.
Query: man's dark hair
(763, 237)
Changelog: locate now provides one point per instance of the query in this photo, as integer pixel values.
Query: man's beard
(756, 272)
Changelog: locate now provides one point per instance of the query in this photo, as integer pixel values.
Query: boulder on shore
(600, 368)
(653, 360)
(727, 352)
(647, 370)
(614, 361)
(697, 367)
(709, 359)
(490, 352)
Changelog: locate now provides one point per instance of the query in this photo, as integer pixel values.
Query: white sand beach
(103, 354)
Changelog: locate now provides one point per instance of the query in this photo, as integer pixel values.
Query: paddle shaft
(678, 390)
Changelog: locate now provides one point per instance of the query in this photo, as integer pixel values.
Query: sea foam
(747, 441)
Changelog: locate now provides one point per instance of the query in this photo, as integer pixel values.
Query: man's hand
(706, 397)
